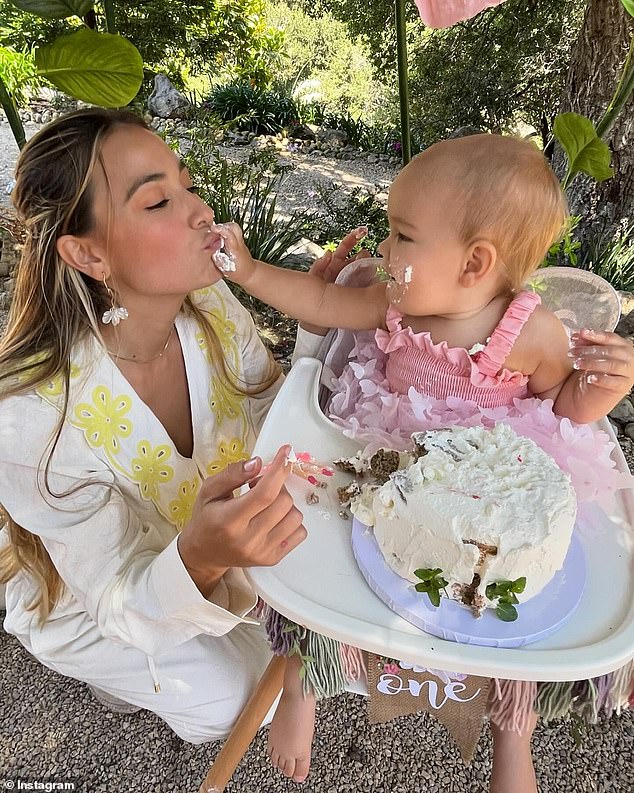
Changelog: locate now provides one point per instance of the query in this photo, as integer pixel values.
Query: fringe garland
(353, 663)
(328, 665)
(554, 700)
(511, 703)
(324, 671)
(622, 688)
(285, 635)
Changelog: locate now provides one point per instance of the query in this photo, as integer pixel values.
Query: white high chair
(579, 298)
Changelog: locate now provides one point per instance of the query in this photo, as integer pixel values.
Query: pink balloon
(444, 13)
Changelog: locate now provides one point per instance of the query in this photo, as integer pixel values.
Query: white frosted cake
(482, 506)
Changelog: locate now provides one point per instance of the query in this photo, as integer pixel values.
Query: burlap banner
(458, 701)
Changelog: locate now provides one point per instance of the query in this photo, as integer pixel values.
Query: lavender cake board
(320, 585)
(537, 618)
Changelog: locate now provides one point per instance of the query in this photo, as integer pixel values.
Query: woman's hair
(506, 191)
(54, 305)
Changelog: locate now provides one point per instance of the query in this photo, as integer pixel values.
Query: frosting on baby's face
(424, 253)
(400, 278)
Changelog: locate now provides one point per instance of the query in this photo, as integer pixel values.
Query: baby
(470, 220)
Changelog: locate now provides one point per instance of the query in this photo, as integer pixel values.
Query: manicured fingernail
(361, 232)
(576, 363)
(592, 379)
(285, 452)
(250, 465)
(589, 332)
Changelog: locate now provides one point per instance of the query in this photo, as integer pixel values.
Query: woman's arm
(141, 584)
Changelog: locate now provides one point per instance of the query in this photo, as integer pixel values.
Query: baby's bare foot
(291, 732)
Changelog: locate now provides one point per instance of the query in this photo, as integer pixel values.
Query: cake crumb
(384, 462)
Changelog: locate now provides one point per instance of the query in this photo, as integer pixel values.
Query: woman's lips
(214, 245)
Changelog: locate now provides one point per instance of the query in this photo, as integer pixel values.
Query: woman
(132, 384)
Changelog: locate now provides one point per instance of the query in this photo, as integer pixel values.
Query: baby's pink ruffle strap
(491, 359)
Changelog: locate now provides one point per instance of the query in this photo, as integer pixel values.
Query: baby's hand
(233, 260)
(606, 359)
(328, 266)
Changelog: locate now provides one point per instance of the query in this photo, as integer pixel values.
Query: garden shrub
(340, 212)
(251, 108)
(246, 192)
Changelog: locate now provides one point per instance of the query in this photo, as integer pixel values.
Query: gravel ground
(51, 728)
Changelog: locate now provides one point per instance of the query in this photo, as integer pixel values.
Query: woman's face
(150, 223)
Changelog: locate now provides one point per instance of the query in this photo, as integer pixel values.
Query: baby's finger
(344, 249)
(320, 265)
(364, 253)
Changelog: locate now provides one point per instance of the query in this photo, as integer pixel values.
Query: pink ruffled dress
(398, 382)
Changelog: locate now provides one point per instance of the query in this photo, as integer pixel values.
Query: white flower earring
(115, 313)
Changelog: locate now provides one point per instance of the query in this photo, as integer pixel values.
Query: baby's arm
(585, 378)
(305, 296)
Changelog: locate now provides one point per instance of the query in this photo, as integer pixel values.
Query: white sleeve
(118, 568)
(308, 344)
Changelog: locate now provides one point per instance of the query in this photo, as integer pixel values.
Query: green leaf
(434, 597)
(422, 587)
(586, 152)
(628, 5)
(55, 9)
(506, 612)
(519, 585)
(98, 68)
(426, 573)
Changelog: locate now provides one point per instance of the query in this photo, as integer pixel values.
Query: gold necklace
(134, 359)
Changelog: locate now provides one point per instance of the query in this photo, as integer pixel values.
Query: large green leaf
(55, 9)
(98, 68)
(628, 5)
(586, 151)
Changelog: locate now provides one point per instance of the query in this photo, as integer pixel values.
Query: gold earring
(115, 313)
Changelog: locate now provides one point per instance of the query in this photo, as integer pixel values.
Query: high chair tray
(319, 584)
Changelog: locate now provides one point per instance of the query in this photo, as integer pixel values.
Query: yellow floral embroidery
(228, 452)
(181, 507)
(54, 387)
(223, 327)
(224, 403)
(149, 469)
(103, 422)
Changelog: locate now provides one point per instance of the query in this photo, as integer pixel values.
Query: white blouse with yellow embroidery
(113, 540)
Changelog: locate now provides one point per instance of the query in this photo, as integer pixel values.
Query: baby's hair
(505, 192)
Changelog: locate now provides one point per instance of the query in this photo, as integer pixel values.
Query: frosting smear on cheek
(400, 278)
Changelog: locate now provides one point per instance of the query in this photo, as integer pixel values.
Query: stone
(623, 412)
(165, 101)
(334, 138)
(626, 323)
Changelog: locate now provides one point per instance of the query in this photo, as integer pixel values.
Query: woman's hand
(606, 359)
(256, 528)
(328, 266)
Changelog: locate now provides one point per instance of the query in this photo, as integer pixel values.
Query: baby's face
(423, 253)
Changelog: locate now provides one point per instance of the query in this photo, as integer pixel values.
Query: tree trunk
(595, 67)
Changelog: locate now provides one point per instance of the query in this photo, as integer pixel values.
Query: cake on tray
(483, 516)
